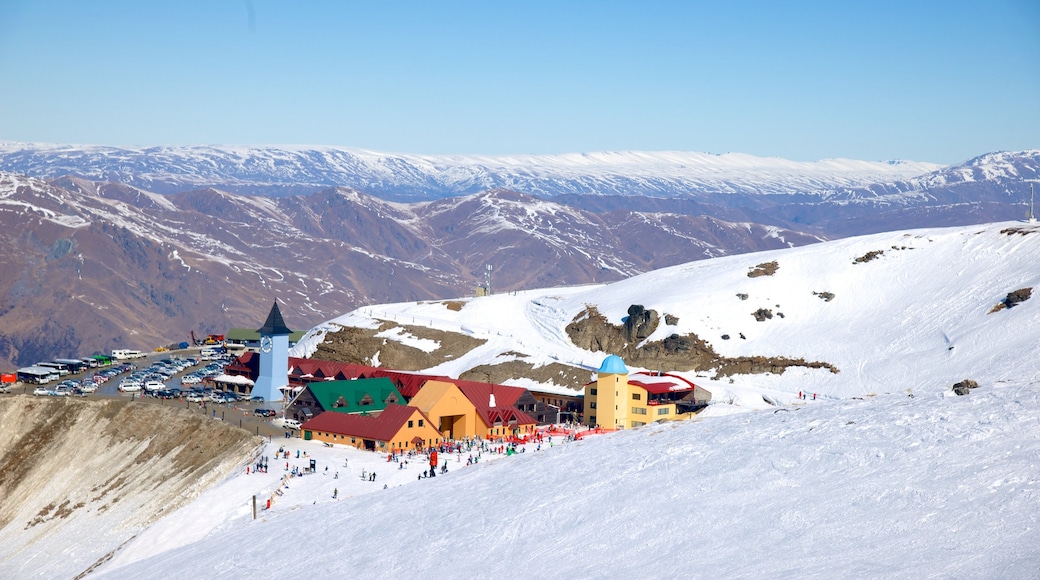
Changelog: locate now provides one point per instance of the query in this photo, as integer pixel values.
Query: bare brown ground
(107, 467)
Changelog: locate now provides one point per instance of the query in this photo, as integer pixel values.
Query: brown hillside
(106, 468)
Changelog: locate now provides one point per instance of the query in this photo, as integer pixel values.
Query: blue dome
(613, 365)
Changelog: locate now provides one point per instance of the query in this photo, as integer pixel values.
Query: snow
(616, 172)
(882, 486)
(888, 324)
(883, 473)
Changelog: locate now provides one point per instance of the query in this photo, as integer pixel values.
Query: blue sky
(928, 81)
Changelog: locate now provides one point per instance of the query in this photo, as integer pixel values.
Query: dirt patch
(360, 345)
(555, 374)
(764, 269)
(454, 305)
(592, 331)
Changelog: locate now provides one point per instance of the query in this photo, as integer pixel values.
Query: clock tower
(274, 357)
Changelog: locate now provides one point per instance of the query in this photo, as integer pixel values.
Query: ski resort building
(457, 408)
(396, 428)
(617, 400)
(354, 396)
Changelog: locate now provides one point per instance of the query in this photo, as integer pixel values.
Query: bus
(37, 375)
(75, 365)
(63, 369)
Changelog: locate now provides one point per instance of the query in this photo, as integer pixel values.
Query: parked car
(129, 387)
(286, 423)
(256, 399)
(260, 412)
(42, 392)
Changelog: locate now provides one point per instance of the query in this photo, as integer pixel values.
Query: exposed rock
(762, 314)
(742, 296)
(592, 331)
(1017, 297)
(763, 269)
(1012, 299)
(640, 323)
(963, 387)
(825, 296)
(676, 343)
(359, 345)
(671, 319)
(868, 257)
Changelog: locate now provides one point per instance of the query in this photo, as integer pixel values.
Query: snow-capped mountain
(832, 198)
(286, 170)
(94, 266)
(601, 217)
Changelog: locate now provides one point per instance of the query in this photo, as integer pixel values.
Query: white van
(286, 423)
(124, 354)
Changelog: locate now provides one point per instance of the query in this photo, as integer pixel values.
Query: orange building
(397, 427)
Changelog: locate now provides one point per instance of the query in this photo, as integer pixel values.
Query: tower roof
(275, 325)
(613, 365)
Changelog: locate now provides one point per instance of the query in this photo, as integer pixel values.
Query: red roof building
(397, 427)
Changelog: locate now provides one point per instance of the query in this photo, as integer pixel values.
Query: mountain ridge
(89, 265)
(284, 170)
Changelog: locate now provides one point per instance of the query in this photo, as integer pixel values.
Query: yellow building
(451, 412)
(469, 409)
(617, 401)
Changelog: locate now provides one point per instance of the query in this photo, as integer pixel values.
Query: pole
(1032, 216)
(254, 507)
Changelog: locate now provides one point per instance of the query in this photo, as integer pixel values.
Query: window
(410, 424)
(638, 423)
(592, 419)
(592, 405)
(420, 422)
(592, 391)
(662, 411)
(638, 411)
(637, 397)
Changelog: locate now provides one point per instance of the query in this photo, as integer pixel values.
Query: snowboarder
(335, 492)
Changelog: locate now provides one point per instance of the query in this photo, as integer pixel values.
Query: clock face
(266, 343)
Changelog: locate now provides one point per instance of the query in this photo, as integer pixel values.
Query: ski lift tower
(487, 275)
(1032, 216)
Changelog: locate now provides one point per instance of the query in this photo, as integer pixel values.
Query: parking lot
(179, 378)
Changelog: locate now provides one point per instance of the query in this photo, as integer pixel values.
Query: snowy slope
(916, 316)
(886, 486)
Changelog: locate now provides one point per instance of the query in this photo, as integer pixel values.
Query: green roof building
(354, 396)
